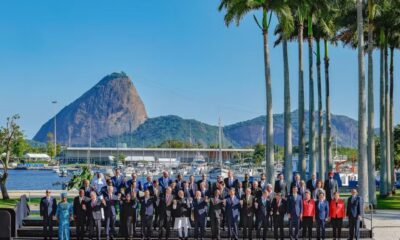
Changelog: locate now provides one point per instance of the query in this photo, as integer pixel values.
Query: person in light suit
(232, 212)
(48, 208)
(354, 213)
(295, 212)
(321, 215)
(94, 207)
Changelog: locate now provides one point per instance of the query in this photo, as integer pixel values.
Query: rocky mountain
(111, 108)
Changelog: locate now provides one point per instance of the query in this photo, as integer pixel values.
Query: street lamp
(55, 130)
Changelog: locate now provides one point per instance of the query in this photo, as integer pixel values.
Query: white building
(37, 157)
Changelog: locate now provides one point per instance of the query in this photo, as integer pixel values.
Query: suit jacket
(200, 209)
(164, 183)
(94, 209)
(354, 207)
(257, 193)
(147, 185)
(322, 209)
(264, 208)
(297, 184)
(281, 188)
(138, 184)
(234, 183)
(216, 207)
(311, 186)
(232, 209)
(279, 210)
(48, 208)
(205, 193)
(165, 206)
(182, 208)
(208, 184)
(112, 204)
(246, 184)
(295, 206)
(330, 188)
(79, 212)
(193, 187)
(188, 193)
(147, 208)
(118, 182)
(248, 207)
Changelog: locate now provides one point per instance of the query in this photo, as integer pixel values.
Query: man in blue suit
(354, 213)
(164, 181)
(48, 208)
(232, 212)
(118, 180)
(200, 207)
(295, 212)
(321, 214)
(132, 180)
(148, 184)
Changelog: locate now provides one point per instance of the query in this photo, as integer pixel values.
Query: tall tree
(9, 135)
(235, 11)
(362, 140)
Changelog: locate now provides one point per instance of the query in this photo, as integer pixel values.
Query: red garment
(337, 209)
(308, 208)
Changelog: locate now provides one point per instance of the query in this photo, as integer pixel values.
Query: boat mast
(220, 142)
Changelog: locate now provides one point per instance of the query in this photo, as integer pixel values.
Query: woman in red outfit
(337, 213)
(308, 214)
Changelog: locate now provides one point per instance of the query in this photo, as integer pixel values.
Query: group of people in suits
(228, 203)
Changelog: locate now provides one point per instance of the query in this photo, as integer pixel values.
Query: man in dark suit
(330, 187)
(165, 212)
(203, 190)
(256, 191)
(179, 181)
(187, 191)
(321, 215)
(279, 209)
(354, 213)
(118, 180)
(110, 212)
(87, 188)
(263, 209)
(146, 214)
(232, 209)
(79, 207)
(247, 204)
(94, 207)
(215, 211)
(204, 180)
(200, 207)
(48, 208)
(230, 181)
(312, 184)
(246, 182)
(192, 184)
(263, 182)
(295, 183)
(136, 180)
(281, 186)
(156, 193)
(295, 212)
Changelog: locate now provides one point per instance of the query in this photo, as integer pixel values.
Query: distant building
(36, 157)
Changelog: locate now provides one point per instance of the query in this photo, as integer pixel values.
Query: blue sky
(180, 55)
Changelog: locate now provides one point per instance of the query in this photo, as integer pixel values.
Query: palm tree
(235, 11)
(362, 140)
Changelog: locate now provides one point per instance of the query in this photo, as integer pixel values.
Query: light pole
(55, 130)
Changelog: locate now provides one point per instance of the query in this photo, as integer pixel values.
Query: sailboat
(219, 170)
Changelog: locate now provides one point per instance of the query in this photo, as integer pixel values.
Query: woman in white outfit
(182, 209)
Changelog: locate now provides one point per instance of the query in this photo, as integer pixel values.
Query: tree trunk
(362, 138)
(3, 181)
(328, 150)
(371, 125)
(311, 129)
(391, 117)
(269, 157)
(382, 128)
(387, 129)
(322, 167)
(287, 116)
(301, 164)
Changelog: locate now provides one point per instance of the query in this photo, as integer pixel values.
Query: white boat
(215, 172)
(63, 172)
(128, 171)
(56, 169)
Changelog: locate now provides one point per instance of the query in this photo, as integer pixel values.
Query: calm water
(34, 180)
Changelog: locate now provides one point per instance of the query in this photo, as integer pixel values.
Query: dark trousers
(337, 227)
(80, 228)
(147, 221)
(307, 227)
(199, 226)
(156, 218)
(165, 223)
(110, 226)
(262, 222)
(232, 228)
(294, 223)
(130, 226)
(48, 227)
(247, 227)
(278, 223)
(215, 225)
(321, 228)
(92, 225)
(354, 227)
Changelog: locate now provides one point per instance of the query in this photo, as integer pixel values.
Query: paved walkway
(385, 224)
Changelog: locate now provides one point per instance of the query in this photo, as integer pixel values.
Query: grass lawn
(392, 202)
(8, 203)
